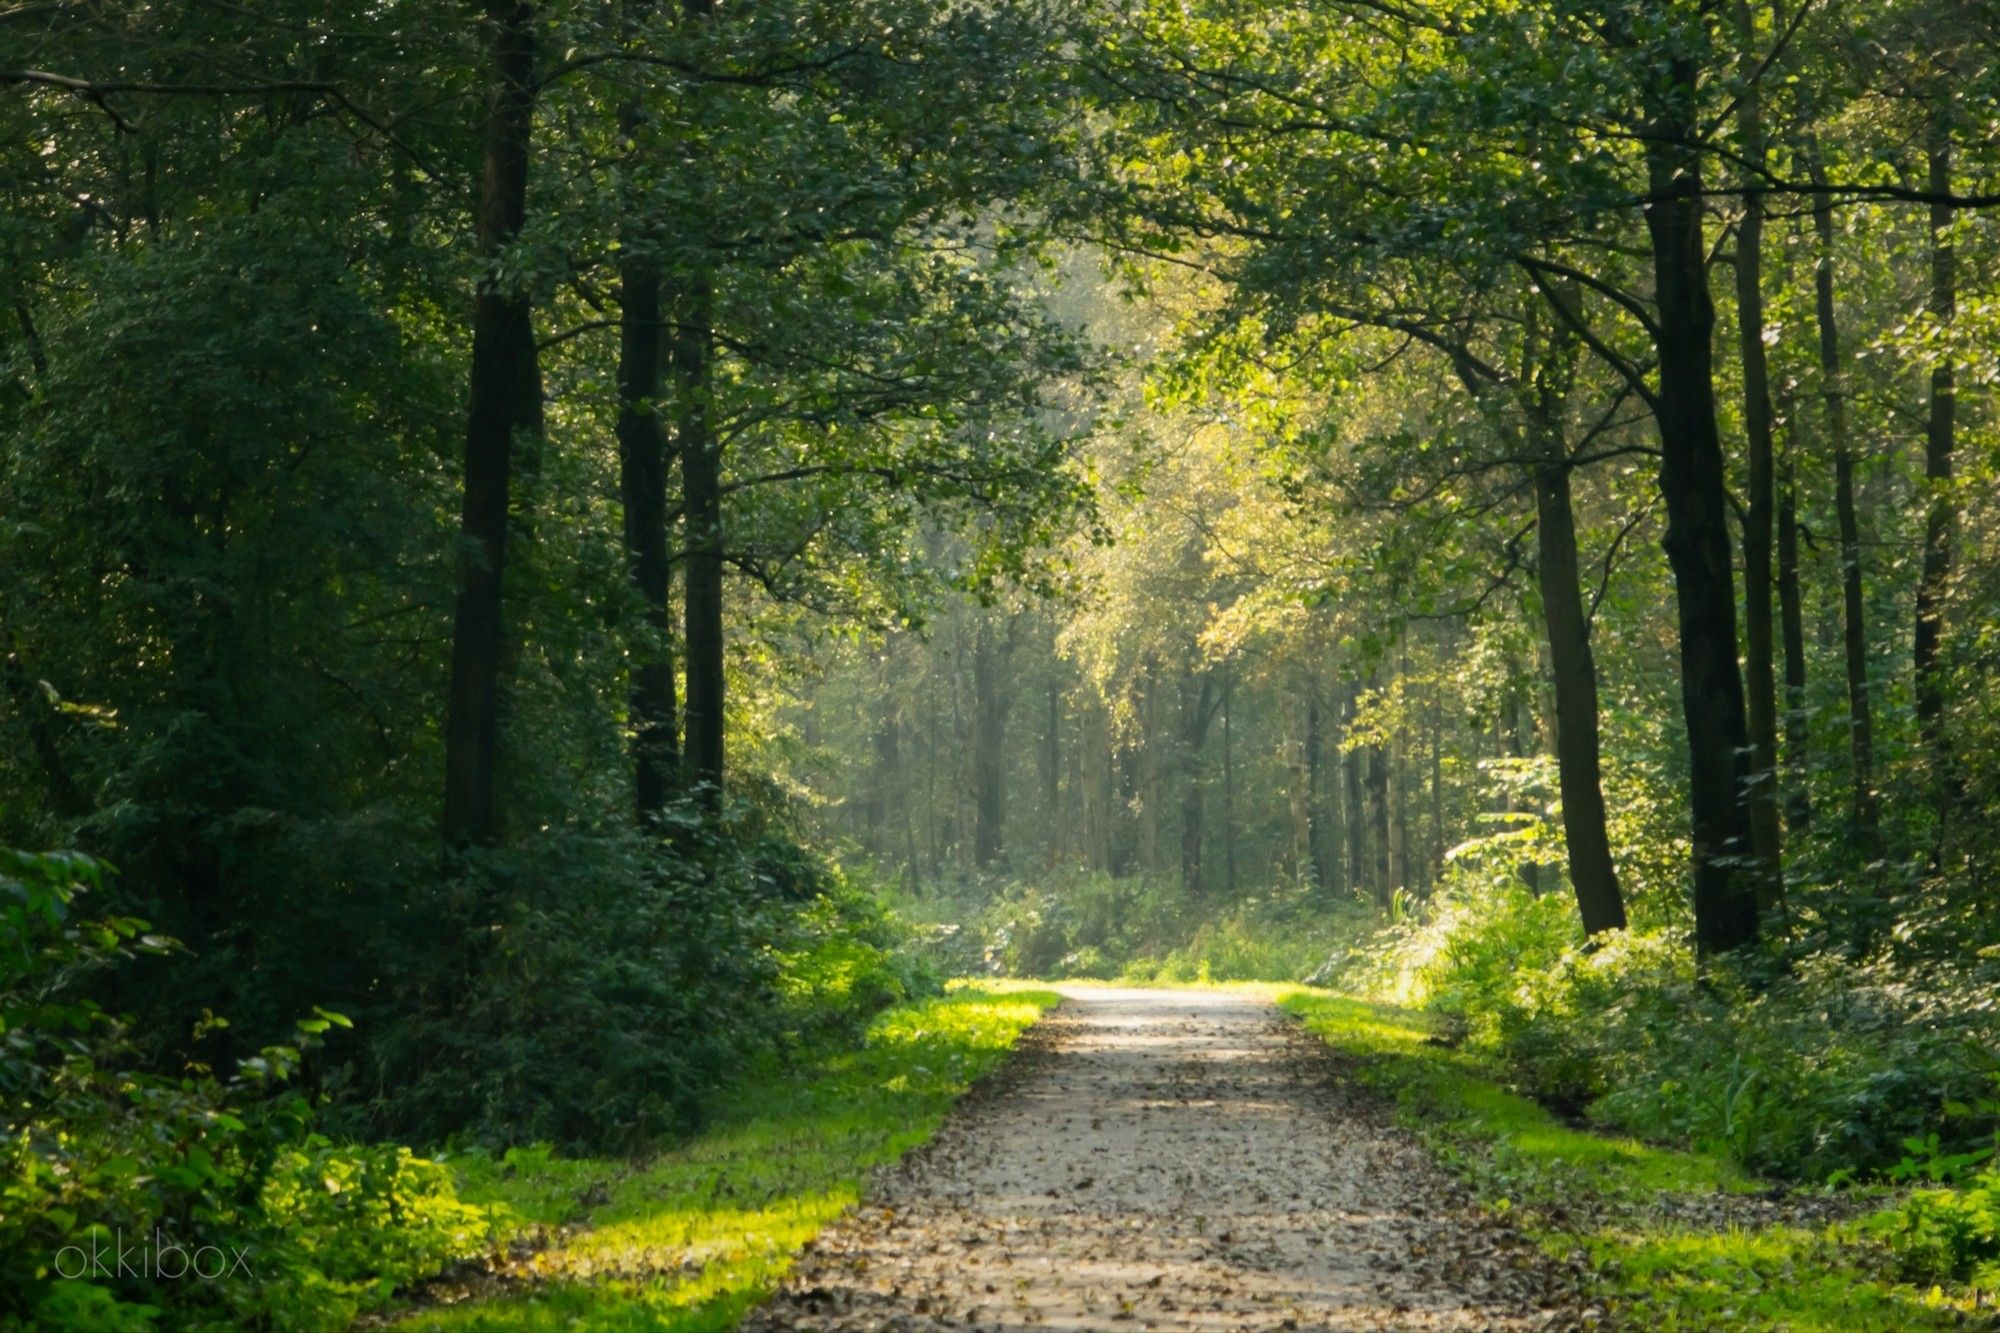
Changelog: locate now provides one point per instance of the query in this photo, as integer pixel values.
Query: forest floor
(1172, 1160)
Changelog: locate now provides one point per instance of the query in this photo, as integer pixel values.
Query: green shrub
(1948, 1234)
(113, 1182)
(1825, 1068)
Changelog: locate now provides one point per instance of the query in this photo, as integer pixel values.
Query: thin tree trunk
(701, 504)
(642, 487)
(1573, 667)
(1228, 788)
(1197, 712)
(989, 742)
(1435, 869)
(1052, 790)
(1357, 823)
(1760, 647)
(1939, 440)
(505, 400)
(1315, 850)
(1791, 616)
(1697, 538)
(693, 355)
(1864, 806)
(1378, 815)
(1149, 775)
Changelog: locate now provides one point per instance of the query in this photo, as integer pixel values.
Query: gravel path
(1175, 1160)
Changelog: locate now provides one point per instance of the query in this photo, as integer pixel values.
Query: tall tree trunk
(1791, 617)
(1434, 869)
(1228, 787)
(505, 400)
(1939, 432)
(642, 489)
(1378, 819)
(693, 355)
(888, 776)
(1697, 538)
(1864, 806)
(1759, 637)
(1315, 848)
(1149, 774)
(701, 505)
(1356, 820)
(1197, 712)
(989, 746)
(1052, 780)
(1574, 669)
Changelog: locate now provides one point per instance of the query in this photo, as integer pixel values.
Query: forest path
(1173, 1160)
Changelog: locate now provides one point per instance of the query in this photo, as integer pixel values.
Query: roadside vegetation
(1670, 1238)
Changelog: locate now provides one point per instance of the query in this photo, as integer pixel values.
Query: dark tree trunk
(1378, 820)
(1759, 636)
(1198, 707)
(1939, 433)
(1356, 820)
(1228, 788)
(642, 489)
(1574, 668)
(1791, 616)
(1434, 869)
(1697, 539)
(701, 504)
(505, 400)
(692, 352)
(888, 774)
(1864, 806)
(989, 747)
(1315, 822)
(1052, 779)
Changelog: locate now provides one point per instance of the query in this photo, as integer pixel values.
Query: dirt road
(1173, 1160)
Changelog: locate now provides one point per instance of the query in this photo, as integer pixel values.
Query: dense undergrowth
(1843, 1059)
(1673, 1238)
(138, 1195)
(1139, 929)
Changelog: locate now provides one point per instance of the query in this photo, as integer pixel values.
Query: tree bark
(1378, 818)
(1198, 706)
(1791, 617)
(1697, 538)
(642, 489)
(1939, 439)
(701, 504)
(1759, 638)
(1228, 787)
(505, 400)
(1356, 820)
(1315, 848)
(1052, 781)
(989, 747)
(1579, 771)
(1864, 806)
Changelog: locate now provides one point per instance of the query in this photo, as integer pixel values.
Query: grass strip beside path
(695, 1237)
(1677, 1240)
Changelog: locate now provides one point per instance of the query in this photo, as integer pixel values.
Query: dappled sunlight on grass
(1624, 1203)
(691, 1239)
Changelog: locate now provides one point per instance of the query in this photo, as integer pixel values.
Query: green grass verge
(695, 1237)
(1659, 1266)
